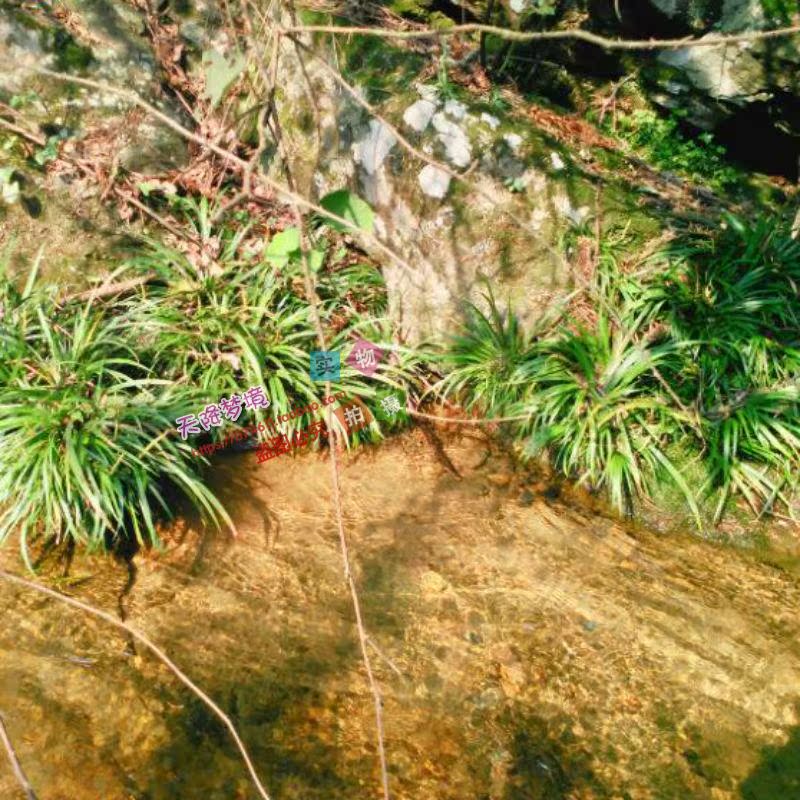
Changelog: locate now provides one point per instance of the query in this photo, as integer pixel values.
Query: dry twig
(270, 77)
(158, 652)
(289, 196)
(109, 289)
(19, 773)
(537, 36)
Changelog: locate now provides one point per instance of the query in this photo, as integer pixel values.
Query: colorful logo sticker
(353, 415)
(365, 357)
(390, 405)
(325, 365)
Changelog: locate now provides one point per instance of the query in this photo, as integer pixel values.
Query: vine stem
(158, 652)
(469, 420)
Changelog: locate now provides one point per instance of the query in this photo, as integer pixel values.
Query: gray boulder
(716, 83)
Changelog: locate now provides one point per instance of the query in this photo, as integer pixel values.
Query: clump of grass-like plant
(698, 353)
(731, 300)
(484, 362)
(219, 321)
(600, 414)
(226, 313)
(88, 454)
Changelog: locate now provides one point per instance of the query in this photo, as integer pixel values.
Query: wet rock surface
(543, 652)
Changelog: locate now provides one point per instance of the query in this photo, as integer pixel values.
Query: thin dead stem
(537, 36)
(362, 634)
(106, 289)
(270, 77)
(158, 652)
(469, 420)
(23, 132)
(16, 767)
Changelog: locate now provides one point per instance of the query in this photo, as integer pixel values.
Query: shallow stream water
(528, 648)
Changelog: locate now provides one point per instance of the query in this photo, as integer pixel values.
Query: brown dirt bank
(543, 652)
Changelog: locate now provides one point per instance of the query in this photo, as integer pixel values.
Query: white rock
(433, 181)
(538, 218)
(371, 151)
(454, 139)
(536, 180)
(556, 161)
(427, 92)
(491, 121)
(513, 140)
(418, 115)
(455, 109)
(577, 216)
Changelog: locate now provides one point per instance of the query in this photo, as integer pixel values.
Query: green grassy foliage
(696, 354)
(660, 140)
(89, 394)
(485, 361)
(85, 454)
(600, 414)
(731, 301)
(228, 321)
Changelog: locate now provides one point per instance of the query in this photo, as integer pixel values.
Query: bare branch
(536, 36)
(158, 652)
(19, 773)
(469, 421)
(25, 134)
(109, 289)
(270, 78)
(157, 217)
(363, 639)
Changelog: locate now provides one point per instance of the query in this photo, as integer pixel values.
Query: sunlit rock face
(751, 86)
(20, 48)
(500, 222)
